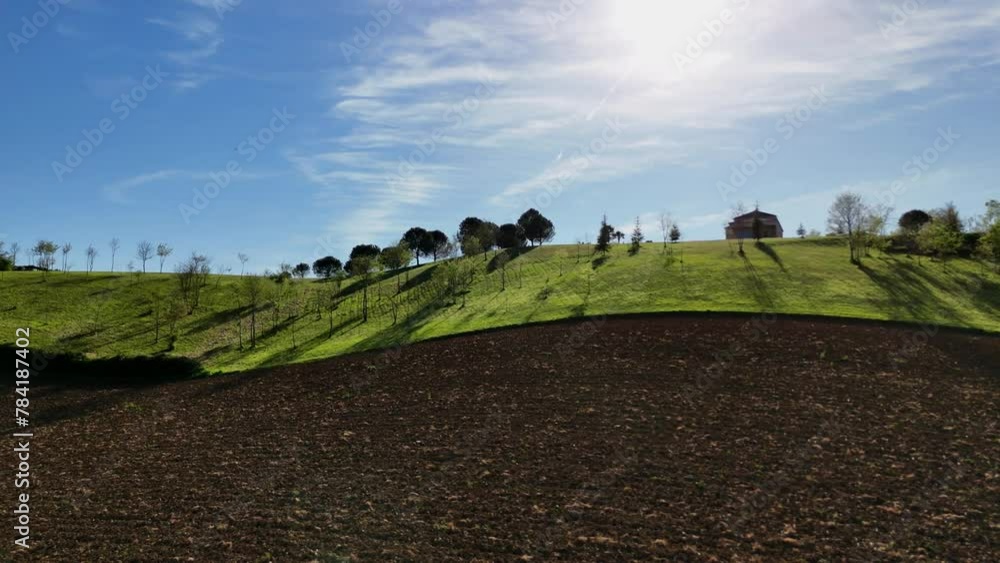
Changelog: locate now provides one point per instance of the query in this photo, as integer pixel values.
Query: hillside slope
(104, 315)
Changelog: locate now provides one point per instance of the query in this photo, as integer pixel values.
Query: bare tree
(163, 251)
(91, 255)
(253, 291)
(14, 249)
(666, 222)
(243, 258)
(847, 216)
(192, 275)
(115, 244)
(66, 248)
(143, 253)
(734, 212)
(44, 252)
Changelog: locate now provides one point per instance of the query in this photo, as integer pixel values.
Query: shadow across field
(756, 285)
(74, 370)
(906, 289)
(771, 253)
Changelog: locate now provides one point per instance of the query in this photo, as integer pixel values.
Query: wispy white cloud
(117, 192)
(899, 112)
(374, 186)
(202, 38)
(559, 82)
(121, 190)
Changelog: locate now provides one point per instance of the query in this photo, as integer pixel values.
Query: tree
(675, 233)
(91, 255)
(364, 259)
(666, 222)
(369, 251)
(6, 264)
(243, 258)
(362, 266)
(253, 290)
(604, 236)
(395, 257)
(327, 267)
(636, 238)
(143, 253)
(44, 251)
(737, 210)
(619, 236)
(992, 216)
(873, 228)
(501, 262)
(471, 246)
(949, 217)
(938, 238)
(469, 227)
(66, 248)
(447, 250)
(14, 249)
(989, 245)
(301, 270)
(536, 227)
(510, 235)
(192, 275)
(913, 220)
(801, 231)
(438, 242)
(163, 251)
(115, 244)
(418, 240)
(846, 216)
(487, 236)
(757, 226)
(452, 279)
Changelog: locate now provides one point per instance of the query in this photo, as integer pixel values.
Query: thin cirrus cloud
(201, 35)
(556, 82)
(123, 191)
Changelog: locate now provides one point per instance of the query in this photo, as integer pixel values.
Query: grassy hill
(104, 315)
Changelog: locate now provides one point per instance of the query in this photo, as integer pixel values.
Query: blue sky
(444, 109)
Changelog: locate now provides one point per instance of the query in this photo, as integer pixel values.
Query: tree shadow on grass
(908, 294)
(757, 286)
(75, 280)
(511, 253)
(771, 253)
(400, 333)
(599, 261)
(419, 279)
(988, 294)
(213, 320)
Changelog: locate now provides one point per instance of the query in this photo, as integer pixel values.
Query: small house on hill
(742, 227)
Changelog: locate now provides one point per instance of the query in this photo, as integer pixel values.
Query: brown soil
(673, 439)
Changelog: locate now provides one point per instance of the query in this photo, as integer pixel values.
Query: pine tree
(604, 236)
(636, 238)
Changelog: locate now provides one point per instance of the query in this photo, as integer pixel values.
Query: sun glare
(654, 29)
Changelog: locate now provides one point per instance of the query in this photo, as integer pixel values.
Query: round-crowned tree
(537, 228)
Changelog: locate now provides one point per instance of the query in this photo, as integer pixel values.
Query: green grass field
(105, 315)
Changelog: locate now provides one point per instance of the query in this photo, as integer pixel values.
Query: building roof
(752, 213)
